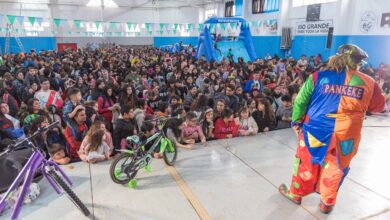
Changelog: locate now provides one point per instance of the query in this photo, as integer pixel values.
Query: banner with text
(313, 28)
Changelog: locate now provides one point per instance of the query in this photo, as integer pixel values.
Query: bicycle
(49, 169)
(125, 167)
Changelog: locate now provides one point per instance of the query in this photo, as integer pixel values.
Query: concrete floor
(231, 179)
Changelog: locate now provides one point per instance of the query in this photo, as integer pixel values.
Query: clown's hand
(296, 126)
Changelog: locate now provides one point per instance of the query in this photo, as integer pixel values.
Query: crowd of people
(101, 96)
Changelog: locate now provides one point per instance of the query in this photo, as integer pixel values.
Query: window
(229, 9)
(210, 13)
(265, 6)
(298, 3)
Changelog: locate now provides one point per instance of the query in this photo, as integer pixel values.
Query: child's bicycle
(125, 167)
(53, 173)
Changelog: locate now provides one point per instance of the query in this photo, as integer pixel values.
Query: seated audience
(284, 113)
(192, 132)
(225, 126)
(247, 125)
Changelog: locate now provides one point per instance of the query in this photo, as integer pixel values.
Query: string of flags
(113, 28)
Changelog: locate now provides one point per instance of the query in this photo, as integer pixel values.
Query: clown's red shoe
(286, 193)
(325, 208)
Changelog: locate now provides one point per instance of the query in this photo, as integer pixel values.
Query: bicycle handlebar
(38, 132)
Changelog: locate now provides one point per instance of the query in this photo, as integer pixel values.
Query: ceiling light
(98, 3)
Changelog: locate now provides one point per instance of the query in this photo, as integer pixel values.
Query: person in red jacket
(75, 132)
(225, 127)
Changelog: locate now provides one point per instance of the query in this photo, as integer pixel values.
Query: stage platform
(227, 179)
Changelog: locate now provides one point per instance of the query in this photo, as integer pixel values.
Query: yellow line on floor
(200, 210)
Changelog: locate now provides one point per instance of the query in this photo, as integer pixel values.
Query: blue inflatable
(242, 46)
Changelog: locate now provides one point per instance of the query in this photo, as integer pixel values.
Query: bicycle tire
(113, 166)
(71, 195)
(170, 162)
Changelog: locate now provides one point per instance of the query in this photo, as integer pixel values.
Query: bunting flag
(138, 34)
(11, 19)
(174, 32)
(175, 26)
(64, 22)
(118, 33)
(254, 23)
(20, 19)
(232, 24)
(78, 32)
(129, 25)
(1, 29)
(212, 26)
(150, 33)
(222, 26)
(161, 26)
(39, 20)
(57, 22)
(113, 24)
(161, 32)
(97, 23)
(77, 23)
(31, 20)
(147, 26)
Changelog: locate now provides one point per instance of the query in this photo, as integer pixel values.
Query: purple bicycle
(50, 170)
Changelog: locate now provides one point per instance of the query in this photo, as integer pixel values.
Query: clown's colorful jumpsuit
(331, 108)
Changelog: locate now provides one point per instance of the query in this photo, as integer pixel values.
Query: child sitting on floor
(173, 129)
(97, 150)
(148, 129)
(247, 125)
(226, 127)
(57, 154)
(192, 132)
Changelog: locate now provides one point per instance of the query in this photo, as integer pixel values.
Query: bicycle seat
(133, 139)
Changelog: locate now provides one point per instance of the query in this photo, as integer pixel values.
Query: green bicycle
(125, 167)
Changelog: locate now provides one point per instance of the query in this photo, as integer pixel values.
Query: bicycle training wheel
(71, 195)
(122, 169)
(169, 154)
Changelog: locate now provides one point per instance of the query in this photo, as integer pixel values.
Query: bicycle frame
(36, 161)
(158, 138)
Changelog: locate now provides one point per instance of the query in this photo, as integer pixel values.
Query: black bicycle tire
(170, 163)
(71, 195)
(112, 170)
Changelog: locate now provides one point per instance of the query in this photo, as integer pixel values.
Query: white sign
(313, 28)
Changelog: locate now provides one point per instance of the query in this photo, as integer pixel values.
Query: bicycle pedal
(132, 183)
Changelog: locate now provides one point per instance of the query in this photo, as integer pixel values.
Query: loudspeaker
(329, 39)
(313, 12)
(286, 38)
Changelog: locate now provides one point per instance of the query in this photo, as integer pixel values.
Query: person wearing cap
(328, 114)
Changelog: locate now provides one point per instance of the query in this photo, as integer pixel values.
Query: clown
(328, 115)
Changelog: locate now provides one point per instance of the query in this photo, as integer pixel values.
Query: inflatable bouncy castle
(216, 43)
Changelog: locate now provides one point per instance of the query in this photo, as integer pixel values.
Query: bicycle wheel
(122, 169)
(170, 155)
(71, 195)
